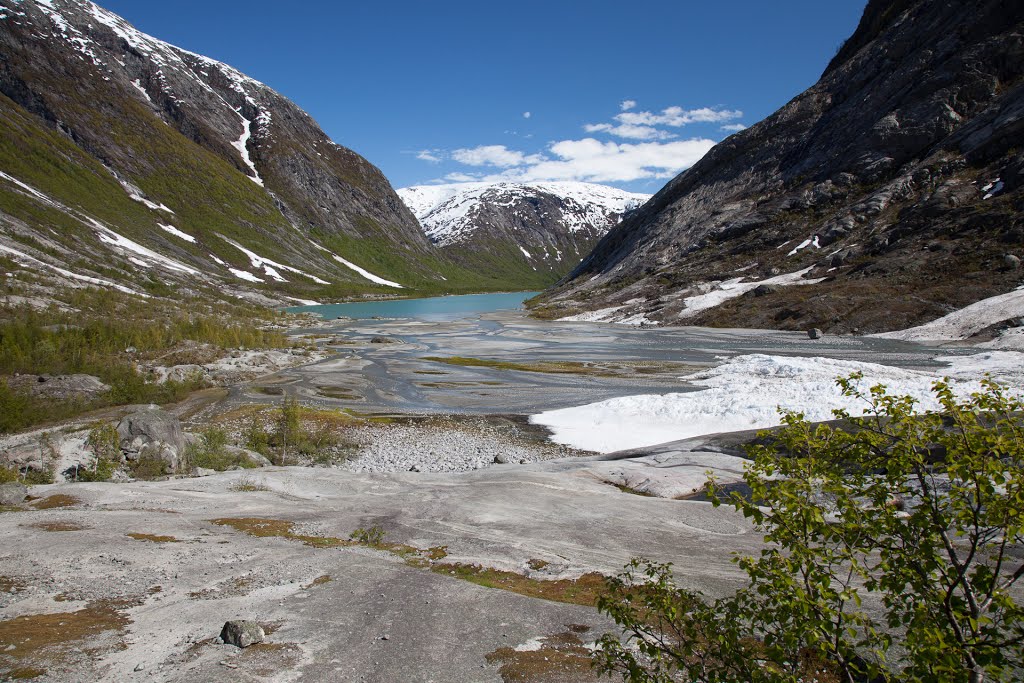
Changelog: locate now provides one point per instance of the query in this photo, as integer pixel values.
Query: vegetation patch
(248, 485)
(559, 658)
(318, 581)
(582, 591)
(57, 500)
(270, 528)
(59, 526)
(153, 538)
(39, 642)
(586, 368)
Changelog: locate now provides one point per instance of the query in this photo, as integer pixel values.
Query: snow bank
(967, 321)
(745, 392)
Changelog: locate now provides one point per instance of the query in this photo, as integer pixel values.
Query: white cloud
(677, 116)
(461, 177)
(626, 105)
(493, 155)
(626, 130)
(428, 155)
(527, 114)
(734, 127)
(603, 162)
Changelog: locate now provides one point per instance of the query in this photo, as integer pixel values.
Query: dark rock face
(163, 135)
(896, 178)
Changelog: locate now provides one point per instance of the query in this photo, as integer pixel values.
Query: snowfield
(746, 392)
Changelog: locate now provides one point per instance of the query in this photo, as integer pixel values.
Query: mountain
(531, 233)
(127, 161)
(890, 191)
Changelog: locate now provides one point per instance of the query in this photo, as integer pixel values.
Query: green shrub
(104, 444)
(372, 536)
(212, 453)
(149, 467)
(922, 513)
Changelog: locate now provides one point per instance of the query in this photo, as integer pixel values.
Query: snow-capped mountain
(129, 140)
(543, 227)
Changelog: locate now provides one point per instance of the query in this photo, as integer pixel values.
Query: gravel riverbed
(447, 445)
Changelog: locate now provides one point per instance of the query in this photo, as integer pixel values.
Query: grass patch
(318, 581)
(248, 485)
(561, 658)
(37, 642)
(59, 526)
(152, 538)
(610, 369)
(582, 591)
(57, 500)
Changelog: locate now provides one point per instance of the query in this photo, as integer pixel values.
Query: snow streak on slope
(446, 212)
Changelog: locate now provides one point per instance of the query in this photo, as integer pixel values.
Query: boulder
(12, 494)
(151, 426)
(252, 456)
(1011, 262)
(385, 340)
(242, 633)
(763, 290)
(814, 333)
(503, 459)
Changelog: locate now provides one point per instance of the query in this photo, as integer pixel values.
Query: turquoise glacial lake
(432, 307)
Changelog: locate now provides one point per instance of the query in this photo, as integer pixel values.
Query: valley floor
(485, 572)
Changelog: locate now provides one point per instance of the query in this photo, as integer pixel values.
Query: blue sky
(624, 93)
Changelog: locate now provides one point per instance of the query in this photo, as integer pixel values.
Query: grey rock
(12, 494)
(242, 633)
(151, 426)
(385, 340)
(763, 290)
(814, 333)
(183, 373)
(252, 456)
(1012, 262)
(504, 459)
(203, 472)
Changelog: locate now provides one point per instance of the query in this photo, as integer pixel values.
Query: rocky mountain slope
(532, 232)
(891, 191)
(127, 161)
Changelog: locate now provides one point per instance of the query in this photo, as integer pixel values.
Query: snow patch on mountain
(447, 212)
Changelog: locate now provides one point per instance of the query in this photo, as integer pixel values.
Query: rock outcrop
(893, 189)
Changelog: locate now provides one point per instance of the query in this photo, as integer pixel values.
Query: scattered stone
(385, 637)
(814, 333)
(242, 633)
(140, 667)
(13, 494)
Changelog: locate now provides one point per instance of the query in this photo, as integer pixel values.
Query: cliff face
(891, 189)
(103, 125)
(527, 235)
